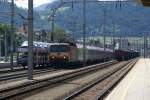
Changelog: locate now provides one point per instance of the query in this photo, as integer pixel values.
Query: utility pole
(145, 46)
(12, 35)
(137, 45)
(5, 45)
(73, 32)
(134, 45)
(52, 19)
(30, 39)
(120, 41)
(0, 49)
(114, 31)
(73, 23)
(104, 32)
(53, 25)
(84, 31)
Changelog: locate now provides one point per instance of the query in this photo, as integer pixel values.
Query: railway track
(15, 91)
(17, 75)
(7, 70)
(97, 89)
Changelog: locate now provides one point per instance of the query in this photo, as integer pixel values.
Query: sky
(24, 3)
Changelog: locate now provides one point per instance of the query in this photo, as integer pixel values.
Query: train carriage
(40, 53)
(126, 54)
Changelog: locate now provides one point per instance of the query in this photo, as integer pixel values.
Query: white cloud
(24, 3)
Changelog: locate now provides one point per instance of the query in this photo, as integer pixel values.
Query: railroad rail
(7, 70)
(102, 85)
(7, 65)
(19, 75)
(8, 92)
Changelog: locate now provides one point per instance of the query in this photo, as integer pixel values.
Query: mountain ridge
(129, 18)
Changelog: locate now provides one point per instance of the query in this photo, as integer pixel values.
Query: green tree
(5, 29)
(60, 34)
(4, 38)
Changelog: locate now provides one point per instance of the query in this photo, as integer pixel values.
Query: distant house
(23, 30)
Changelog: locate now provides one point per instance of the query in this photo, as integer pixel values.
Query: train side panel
(125, 55)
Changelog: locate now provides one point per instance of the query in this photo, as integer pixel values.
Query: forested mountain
(5, 9)
(129, 18)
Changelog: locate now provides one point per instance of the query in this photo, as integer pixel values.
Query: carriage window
(23, 54)
(59, 48)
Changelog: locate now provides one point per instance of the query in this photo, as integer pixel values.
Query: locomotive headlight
(64, 57)
(53, 57)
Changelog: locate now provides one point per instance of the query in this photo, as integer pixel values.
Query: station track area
(22, 74)
(101, 86)
(8, 70)
(17, 88)
(77, 84)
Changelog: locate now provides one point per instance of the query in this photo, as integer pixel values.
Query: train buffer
(136, 85)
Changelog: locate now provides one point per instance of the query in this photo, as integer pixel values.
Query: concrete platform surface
(136, 85)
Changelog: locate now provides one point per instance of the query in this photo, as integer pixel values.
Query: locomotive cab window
(59, 48)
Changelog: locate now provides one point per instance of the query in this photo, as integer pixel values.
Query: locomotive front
(59, 53)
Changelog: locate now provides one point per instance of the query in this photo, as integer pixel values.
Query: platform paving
(136, 85)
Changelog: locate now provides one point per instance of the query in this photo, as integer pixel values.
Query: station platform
(134, 86)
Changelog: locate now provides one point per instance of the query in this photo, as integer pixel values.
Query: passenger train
(69, 54)
(62, 53)
(121, 55)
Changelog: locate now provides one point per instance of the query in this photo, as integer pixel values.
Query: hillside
(130, 20)
(5, 17)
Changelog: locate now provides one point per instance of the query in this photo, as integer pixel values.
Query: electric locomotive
(63, 53)
(71, 53)
(59, 53)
